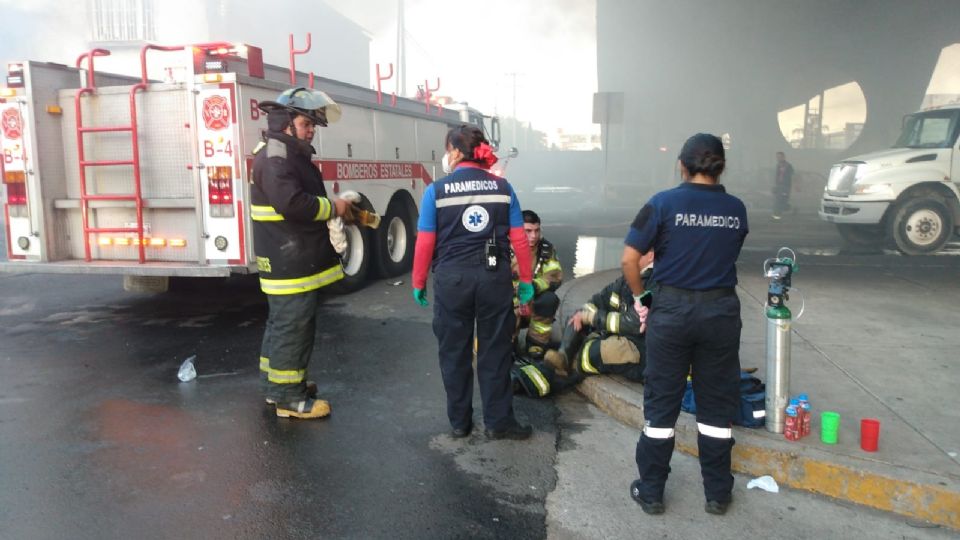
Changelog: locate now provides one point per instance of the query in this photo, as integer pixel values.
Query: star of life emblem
(475, 218)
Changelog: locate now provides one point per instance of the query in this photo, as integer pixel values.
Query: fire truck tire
(358, 257)
(395, 239)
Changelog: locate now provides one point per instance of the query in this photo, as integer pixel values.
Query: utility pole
(401, 51)
(513, 76)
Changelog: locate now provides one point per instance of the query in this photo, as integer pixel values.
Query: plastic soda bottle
(805, 414)
(791, 427)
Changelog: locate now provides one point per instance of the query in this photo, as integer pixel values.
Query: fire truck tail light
(213, 77)
(220, 189)
(126, 241)
(17, 194)
(13, 177)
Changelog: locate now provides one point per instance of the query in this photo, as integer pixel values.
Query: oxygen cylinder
(778, 366)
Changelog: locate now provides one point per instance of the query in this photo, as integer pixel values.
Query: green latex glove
(525, 292)
(420, 295)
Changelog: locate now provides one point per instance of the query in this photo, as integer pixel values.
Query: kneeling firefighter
(289, 209)
(603, 337)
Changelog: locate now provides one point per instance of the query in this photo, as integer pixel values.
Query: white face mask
(445, 163)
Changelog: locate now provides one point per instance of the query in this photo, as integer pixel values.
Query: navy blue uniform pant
(698, 334)
(465, 297)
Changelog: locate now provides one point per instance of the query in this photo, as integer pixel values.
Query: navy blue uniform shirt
(696, 231)
(465, 209)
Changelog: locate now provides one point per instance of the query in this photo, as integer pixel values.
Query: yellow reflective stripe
(323, 213)
(614, 300)
(292, 376)
(540, 327)
(585, 364)
(591, 310)
(300, 285)
(264, 213)
(541, 382)
(550, 266)
(541, 284)
(613, 323)
(264, 364)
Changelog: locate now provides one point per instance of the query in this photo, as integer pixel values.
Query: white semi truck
(149, 180)
(908, 194)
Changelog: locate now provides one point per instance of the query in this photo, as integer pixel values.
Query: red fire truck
(148, 178)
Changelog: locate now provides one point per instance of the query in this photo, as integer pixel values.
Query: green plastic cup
(829, 427)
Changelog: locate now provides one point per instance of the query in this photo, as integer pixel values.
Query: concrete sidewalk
(883, 349)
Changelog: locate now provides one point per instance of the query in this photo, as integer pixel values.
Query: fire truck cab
(148, 179)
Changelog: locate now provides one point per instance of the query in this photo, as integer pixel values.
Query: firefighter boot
(307, 408)
(311, 393)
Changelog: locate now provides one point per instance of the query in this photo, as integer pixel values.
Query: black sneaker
(515, 432)
(716, 507)
(459, 433)
(653, 508)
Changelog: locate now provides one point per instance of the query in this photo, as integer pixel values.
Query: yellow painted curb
(911, 499)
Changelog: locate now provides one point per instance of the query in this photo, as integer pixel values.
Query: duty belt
(697, 296)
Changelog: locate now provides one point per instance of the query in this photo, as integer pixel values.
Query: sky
(474, 47)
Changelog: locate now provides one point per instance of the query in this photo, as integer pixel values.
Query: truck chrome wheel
(353, 256)
(396, 239)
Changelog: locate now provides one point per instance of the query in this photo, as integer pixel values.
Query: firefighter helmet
(313, 104)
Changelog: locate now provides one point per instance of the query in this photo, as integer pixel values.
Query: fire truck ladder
(85, 196)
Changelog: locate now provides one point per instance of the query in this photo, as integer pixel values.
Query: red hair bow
(483, 154)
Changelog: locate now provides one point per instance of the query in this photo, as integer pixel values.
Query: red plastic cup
(869, 434)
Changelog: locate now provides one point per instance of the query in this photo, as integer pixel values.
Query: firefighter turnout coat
(289, 208)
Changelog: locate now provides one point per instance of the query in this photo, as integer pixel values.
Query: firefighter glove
(525, 292)
(420, 295)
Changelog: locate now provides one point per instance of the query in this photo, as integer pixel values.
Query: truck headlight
(884, 190)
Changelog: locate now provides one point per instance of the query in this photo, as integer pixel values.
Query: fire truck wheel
(356, 259)
(395, 240)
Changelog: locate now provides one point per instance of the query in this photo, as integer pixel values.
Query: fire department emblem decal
(12, 123)
(216, 113)
(475, 218)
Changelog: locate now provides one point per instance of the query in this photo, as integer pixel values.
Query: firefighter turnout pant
(698, 330)
(288, 343)
(464, 297)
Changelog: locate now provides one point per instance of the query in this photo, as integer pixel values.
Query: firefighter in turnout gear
(547, 277)
(289, 209)
(606, 336)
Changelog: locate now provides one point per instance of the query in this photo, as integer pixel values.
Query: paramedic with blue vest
(469, 219)
(693, 326)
